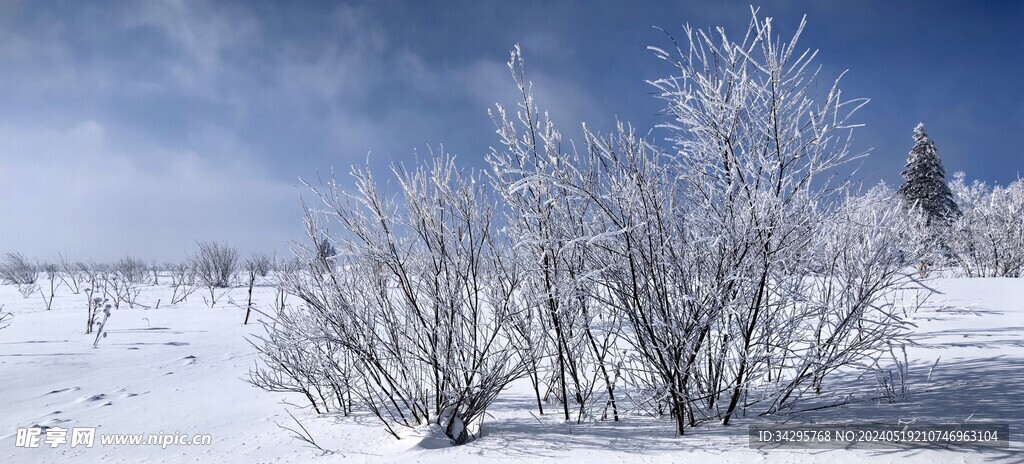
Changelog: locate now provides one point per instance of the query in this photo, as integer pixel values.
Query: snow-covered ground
(181, 369)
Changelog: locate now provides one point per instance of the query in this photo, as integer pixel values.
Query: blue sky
(139, 127)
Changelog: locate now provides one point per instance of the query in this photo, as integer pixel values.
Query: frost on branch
(562, 326)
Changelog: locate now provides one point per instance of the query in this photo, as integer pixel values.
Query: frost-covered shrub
(742, 226)
(132, 270)
(739, 274)
(27, 290)
(97, 279)
(17, 269)
(850, 309)
(154, 272)
(406, 299)
(297, 358)
(988, 239)
(71, 273)
(93, 305)
(214, 264)
(126, 275)
(729, 273)
(183, 281)
(260, 264)
(252, 268)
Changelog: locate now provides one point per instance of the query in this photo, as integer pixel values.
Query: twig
(304, 435)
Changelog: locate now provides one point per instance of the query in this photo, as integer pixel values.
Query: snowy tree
(925, 187)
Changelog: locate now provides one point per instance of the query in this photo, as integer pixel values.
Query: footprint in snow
(96, 397)
(51, 423)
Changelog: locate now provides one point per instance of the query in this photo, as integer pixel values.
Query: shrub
(128, 273)
(988, 239)
(18, 270)
(214, 264)
(408, 300)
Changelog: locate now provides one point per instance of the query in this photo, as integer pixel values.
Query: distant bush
(214, 264)
(988, 239)
(260, 264)
(132, 270)
(71, 274)
(183, 281)
(128, 273)
(18, 270)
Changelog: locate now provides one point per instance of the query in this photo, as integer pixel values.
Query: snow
(182, 369)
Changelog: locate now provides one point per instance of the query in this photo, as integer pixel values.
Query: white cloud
(79, 192)
(89, 178)
(89, 133)
(205, 34)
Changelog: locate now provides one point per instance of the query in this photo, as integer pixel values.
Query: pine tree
(925, 185)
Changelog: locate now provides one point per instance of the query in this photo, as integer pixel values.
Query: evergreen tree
(925, 185)
(325, 250)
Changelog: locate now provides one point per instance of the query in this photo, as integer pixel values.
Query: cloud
(80, 191)
(138, 128)
(206, 40)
